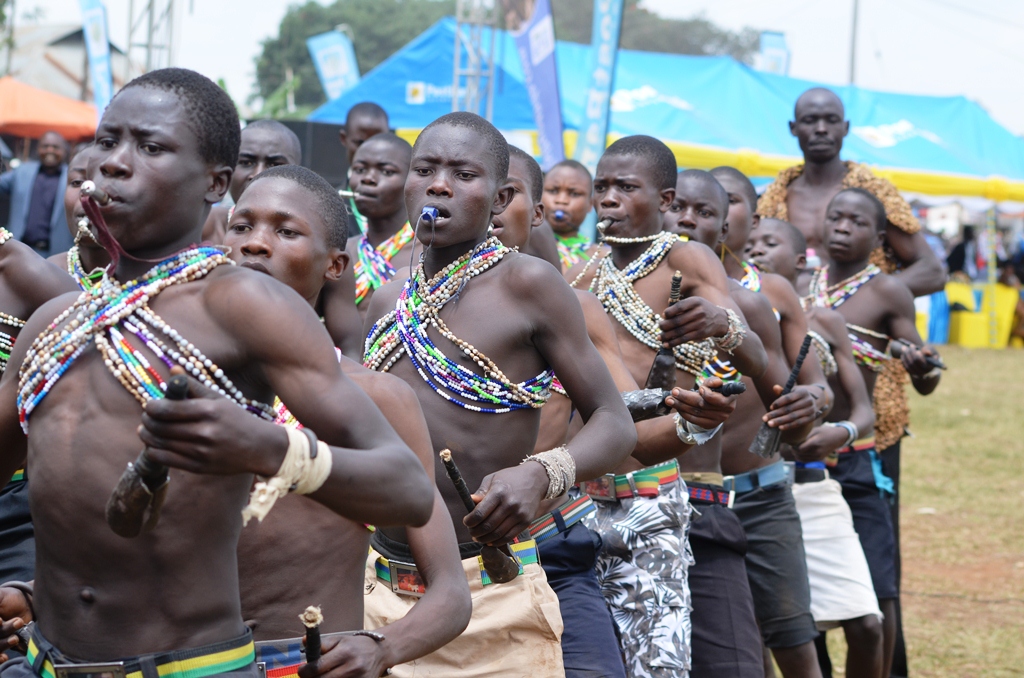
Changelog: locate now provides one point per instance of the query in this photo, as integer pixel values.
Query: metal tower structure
(150, 35)
(473, 78)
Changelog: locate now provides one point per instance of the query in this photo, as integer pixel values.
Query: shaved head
(818, 97)
(707, 180)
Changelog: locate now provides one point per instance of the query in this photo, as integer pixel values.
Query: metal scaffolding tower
(473, 81)
(150, 35)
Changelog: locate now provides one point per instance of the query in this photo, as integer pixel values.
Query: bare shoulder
(832, 322)
(387, 391)
(779, 288)
(692, 255)
(893, 292)
(590, 303)
(251, 302)
(35, 279)
(528, 275)
(755, 306)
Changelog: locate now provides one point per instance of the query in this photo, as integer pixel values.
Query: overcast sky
(939, 47)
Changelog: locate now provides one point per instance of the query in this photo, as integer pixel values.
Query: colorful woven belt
(561, 518)
(281, 658)
(195, 663)
(858, 445)
(525, 552)
(18, 475)
(647, 480)
(708, 495)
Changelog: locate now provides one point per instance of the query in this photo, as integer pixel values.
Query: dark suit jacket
(18, 184)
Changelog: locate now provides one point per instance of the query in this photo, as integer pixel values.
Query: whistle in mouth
(90, 190)
(347, 194)
(429, 214)
(560, 214)
(603, 225)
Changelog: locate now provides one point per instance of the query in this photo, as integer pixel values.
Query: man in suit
(36, 189)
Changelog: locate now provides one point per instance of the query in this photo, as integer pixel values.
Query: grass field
(962, 521)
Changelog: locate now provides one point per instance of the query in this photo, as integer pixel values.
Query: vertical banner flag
(603, 50)
(97, 48)
(534, 31)
(335, 62)
(774, 54)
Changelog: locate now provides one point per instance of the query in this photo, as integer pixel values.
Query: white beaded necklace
(615, 290)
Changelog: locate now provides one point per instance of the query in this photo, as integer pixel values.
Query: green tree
(379, 28)
(644, 30)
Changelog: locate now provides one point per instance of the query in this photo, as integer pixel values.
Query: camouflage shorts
(643, 573)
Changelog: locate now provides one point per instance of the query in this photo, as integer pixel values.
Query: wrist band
(733, 337)
(560, 467)
(305, 468)
(692, 434)
(934, 373)
(852, 433)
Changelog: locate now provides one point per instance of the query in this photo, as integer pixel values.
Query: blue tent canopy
(700, 103)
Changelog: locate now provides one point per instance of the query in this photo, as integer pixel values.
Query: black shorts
(725, 640)
(776, 565)
(872, 518)
(590, 648)
(17, 536)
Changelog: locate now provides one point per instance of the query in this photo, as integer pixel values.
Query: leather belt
(766, 476)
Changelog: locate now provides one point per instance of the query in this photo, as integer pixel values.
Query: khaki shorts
(515, 630)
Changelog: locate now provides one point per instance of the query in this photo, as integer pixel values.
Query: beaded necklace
(821, 294)
(7, 340)
(572, 249)
(86, 281)
(751, 277)
(615, 290)
(824, 352)
(834, 296)
(373, 264)
(109, 312)
(404, 330)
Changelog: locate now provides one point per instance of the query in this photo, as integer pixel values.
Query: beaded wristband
(734, 335)
(560, 467)
(692, 434)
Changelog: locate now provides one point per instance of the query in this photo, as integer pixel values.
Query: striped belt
(709, 494)
(405, 578)
(857, 446)
(198, 662)
(646, 482)
(561, 518)
(280, 658)
(18, 475)
(766, 476)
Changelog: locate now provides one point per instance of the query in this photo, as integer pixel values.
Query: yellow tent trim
(754, 164)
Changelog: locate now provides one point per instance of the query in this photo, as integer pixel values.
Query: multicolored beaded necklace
(615, 290)
(404, 330)
(373, 264)
(7, 340)
(86, 281)
(572, 249)
(834, 296)
(107, 313)
(824, 352)
(821, 294)
(751, 277)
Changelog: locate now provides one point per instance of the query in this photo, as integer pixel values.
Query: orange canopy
(27, 111)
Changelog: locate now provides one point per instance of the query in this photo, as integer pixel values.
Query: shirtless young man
(26, 283)
(485, 303)
(878, 308)
(291, 224)
(165, 150)
(759, 488)
(363, 121)
(568, 192)
(377, 177)
(644, 531)
(86, 260)
(265, 144)
(842, 593)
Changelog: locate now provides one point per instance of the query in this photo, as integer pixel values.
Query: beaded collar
(7, 340)
(572, 249)
(86, 281)
(834, 296)
(404, 331)
(373, 264)
(615, 290)
(109, 312)
(751, 276)
(824, 353)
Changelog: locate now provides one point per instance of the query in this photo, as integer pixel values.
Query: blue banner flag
(774, 54)
(335, 62)
(534, 34)
(97, 47)
(603, 52)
